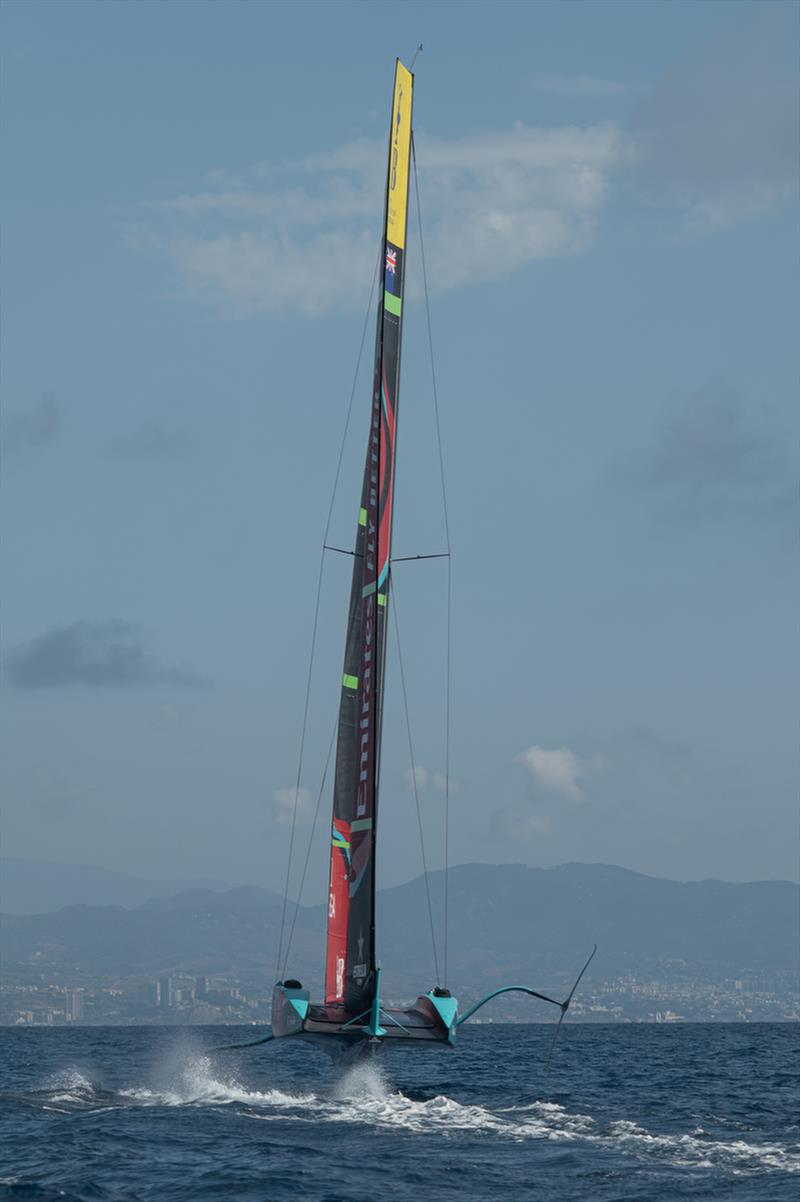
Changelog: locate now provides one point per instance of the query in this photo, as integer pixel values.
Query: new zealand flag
(391, 269)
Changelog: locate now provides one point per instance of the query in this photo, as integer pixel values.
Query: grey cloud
(150, 441)
(712, 457)
(94, 654)
(720, 135)
(634, 755)
(39, 427)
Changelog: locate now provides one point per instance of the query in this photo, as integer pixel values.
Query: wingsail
(353, 1019)
(350, 970)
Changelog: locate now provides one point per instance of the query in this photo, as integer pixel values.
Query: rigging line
(341, 550)
(408, 558)
(449, 562)
(394, 558)
(310, 844)
(316, 608)
(353, 390)
(447, 768)
(414, 782)
(430, 343)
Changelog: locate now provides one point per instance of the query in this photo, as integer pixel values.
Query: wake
(363, 1096)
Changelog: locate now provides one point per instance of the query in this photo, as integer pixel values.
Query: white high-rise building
(73, 1005)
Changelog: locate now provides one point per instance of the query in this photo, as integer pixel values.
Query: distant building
(201, 988)
(166, 998)
(228, 991)
(73, 1006)
(154, 994)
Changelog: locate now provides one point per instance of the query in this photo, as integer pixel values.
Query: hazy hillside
(507, 922)
(39, 886)
(518, 911)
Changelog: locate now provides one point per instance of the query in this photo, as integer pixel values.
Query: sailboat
(352, 1012)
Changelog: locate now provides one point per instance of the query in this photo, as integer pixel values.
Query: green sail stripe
(392, 303)
(362, 517)
(350, 682)
(381, 598)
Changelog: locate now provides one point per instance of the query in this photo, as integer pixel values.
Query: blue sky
(191, 200)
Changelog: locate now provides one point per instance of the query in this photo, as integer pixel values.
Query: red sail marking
(338, 907)
(346, 872)
(341, 871)
(368, 660)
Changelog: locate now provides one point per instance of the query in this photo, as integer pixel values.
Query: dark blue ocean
(623, 1113)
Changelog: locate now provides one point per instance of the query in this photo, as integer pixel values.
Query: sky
(191, 198)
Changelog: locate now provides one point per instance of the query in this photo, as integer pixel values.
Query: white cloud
(575, 85)
(534, 824)
(417, 776)
(423, 777)
(284, 800)
(555, 771)
(303, 236)
(440, 783)
(715, 140)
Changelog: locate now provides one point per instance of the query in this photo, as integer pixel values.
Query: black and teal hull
(432, 1019)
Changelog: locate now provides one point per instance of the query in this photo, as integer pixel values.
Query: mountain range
(506, 921)
(41, 886)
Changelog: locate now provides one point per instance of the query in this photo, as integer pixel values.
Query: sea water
(621, 1113)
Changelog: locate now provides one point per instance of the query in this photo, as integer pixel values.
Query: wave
(696, 1149)
(198, 1082)
(364, 1096)
(71, 1088)
(194, 1083)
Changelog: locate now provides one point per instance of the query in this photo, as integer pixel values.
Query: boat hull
(431, 1019)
